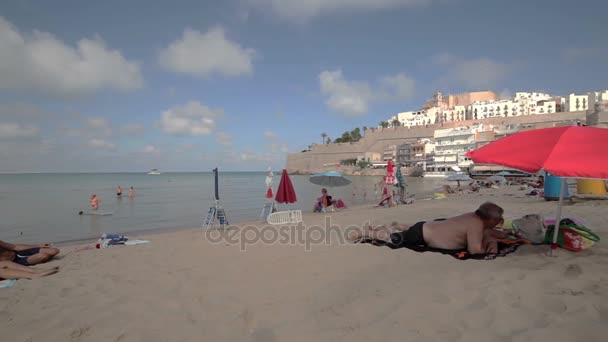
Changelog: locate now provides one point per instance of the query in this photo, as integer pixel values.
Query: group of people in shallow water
(16, 259)
(95, 201)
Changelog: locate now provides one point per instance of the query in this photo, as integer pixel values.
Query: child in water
(95, 202)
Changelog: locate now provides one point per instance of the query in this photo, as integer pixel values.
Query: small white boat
(154, 172)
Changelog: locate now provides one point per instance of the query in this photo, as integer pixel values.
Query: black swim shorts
(409, 238)
(21, 256)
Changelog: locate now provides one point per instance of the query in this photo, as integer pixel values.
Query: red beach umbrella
(568, 151)
(285, 193)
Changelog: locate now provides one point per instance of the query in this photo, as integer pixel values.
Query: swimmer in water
(119, 191)
(131, 192)
(95, 202)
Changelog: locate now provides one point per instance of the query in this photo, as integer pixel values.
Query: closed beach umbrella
(569, 151)
(269, 183)
(400, 180)
(329, 179)
(389, 179)
(285, 193)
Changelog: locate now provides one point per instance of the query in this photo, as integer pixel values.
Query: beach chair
(285, 217)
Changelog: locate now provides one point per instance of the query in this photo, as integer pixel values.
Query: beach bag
(340, 204)
(530, 227)
(572, 236)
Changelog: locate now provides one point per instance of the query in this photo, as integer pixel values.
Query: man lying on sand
(11, 270)
(473, 231)
(27, 255)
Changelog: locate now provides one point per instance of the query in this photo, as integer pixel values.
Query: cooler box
(553, 186)
(591, 187)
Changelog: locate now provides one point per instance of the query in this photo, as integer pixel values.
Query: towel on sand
(5, 284)
(506, 246)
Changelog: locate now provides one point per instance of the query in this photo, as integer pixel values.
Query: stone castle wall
(378, 140)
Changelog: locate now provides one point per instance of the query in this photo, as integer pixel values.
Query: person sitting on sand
(323, 202)
(473, 231)
(95, 202)
(448, 189)
(27, 255)
(539, 184)
(11, 270)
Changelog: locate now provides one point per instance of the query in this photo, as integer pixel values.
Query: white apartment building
(546, 107)
(458, 113)
(503, 108)
(415, 118)
(452, 144)
(575, 103)
(533, 97)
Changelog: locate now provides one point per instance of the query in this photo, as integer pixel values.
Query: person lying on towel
(472, 231)
(27, 255)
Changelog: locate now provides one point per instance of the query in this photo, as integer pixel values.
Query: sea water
(44, 207)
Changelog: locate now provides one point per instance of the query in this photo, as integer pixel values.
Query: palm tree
(364, 130)
(396, 123)
(323, 136)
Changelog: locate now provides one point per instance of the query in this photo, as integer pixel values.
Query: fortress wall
(378, 140)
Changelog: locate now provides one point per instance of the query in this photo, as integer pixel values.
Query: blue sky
(191, 85)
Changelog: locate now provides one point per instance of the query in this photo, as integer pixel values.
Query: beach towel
(6, 284)
(505, 247)
(135, 242)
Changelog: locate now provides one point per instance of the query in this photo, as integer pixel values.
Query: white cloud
(15, 131)
(202, 54)
(270, 134)
(100, 143)
(478, 73)
(193, 119)
(354, 97)
(223, 139)
(301, 9)
(150, 149)
(43, 63)
(580, 54)
(132, 129)
(98, 126)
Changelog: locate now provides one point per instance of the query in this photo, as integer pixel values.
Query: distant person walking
(95, 202)
(131, 192)
(119, 191)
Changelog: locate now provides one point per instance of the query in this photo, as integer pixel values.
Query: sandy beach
(183, 287)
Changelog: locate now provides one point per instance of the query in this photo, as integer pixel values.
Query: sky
(111, 86)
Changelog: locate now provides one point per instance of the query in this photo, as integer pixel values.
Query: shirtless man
(11, 270)
(27, 255)
(473, 231)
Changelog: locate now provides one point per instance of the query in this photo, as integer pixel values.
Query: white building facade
(575, 103)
